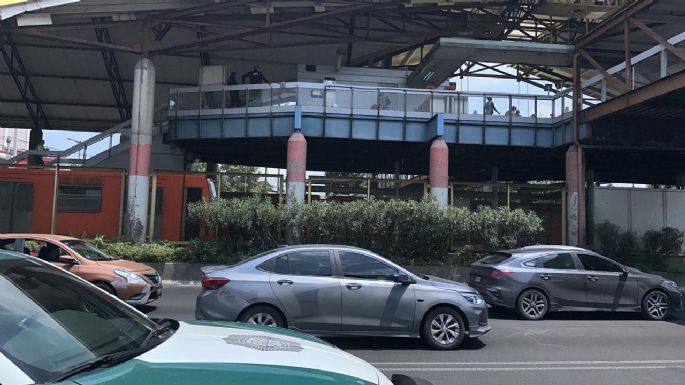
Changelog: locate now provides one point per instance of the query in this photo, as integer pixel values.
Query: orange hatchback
(133, 282)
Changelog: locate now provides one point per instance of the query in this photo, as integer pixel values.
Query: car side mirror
(404, 279)
(68, 260)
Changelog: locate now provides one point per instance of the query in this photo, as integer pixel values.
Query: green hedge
(146, 252)
(405, 231)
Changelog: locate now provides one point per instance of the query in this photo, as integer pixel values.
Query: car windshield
(52, 322)
(88, 250)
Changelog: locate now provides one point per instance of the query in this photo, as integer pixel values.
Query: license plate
(476, 278)
(159, 291)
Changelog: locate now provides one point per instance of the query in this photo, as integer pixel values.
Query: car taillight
(212, 283)
(499, 274)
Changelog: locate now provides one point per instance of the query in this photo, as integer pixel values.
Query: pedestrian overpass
(334, 111)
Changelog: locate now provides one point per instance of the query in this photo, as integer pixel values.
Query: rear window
(494, 259)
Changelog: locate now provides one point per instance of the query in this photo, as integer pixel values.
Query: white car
(56, 327)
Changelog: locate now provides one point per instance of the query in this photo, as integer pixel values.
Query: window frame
(580, 262)
(341, 272)
(271, 263)
(576, 263)
(83, 210)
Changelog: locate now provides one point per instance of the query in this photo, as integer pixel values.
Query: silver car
(535, 280)
(330, 290)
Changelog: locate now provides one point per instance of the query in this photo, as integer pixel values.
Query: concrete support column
(297, 168)
(141, 150)
(439, 171)
(575, 196)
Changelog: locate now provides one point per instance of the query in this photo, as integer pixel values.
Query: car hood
(446, 284)
(203, 352)
(128, 265)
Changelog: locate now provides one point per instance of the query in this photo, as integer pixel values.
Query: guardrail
(650, 66)
(345, 99)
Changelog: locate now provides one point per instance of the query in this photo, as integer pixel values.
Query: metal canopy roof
(449, 54)
(65, 61)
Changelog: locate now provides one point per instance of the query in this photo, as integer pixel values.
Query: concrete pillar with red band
(297, 168)
(439, 171)
(141, 150)
(575, 196)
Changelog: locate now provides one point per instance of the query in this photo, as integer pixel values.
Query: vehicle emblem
(265, 344)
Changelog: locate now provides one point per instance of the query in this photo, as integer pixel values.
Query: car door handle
(354, 286)
(284, 282)
(546, 277)
(592, 278)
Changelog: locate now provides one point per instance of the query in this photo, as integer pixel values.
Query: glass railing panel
(475, 105)
(310, 96)
(260, 97)
(418, 101)
(212, 100)
(189, 101)
(339, 97)
(365, 99)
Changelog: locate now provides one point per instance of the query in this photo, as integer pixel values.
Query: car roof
(319, 246)
(50, 237)
(535, 249)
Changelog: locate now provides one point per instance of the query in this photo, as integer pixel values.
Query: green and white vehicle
(58, 328)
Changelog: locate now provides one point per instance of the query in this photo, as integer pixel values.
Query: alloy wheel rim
(444, 329)
(533, 305)
(657, 305)
(264, 319)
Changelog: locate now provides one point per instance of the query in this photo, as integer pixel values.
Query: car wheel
(443, 329)
(109, 289)
(655, 305)
(532, 305)
(263, 315)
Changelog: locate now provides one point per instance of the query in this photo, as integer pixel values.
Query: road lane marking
(551, 368)
(433, 363)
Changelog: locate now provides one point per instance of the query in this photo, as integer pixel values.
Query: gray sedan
(535, 280)
(330, 290)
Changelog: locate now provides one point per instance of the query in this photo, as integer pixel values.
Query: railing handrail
(679, 38)
(322, 86)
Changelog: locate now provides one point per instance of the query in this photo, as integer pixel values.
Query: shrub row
(654, 250)
(407, 231)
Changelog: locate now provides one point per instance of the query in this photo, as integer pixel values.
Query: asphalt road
(566, 349)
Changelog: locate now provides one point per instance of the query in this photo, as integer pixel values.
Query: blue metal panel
(298, 118)
(364, 129)
(545, 137)
(235, 127)
(450, 132)
(391, 130)
(522, 136)
(312, 126)
(210, 128)
(558, 136)
(471, 133)
(259, 128)
(416, 131)
(283, 125)
(435, 127)
(337, 127)
(496, 135)
(188, 128)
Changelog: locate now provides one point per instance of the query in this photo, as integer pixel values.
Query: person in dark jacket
(255, 98)
(255, 76)
(235, 95)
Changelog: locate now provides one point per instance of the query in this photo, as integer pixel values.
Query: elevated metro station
(357, 87)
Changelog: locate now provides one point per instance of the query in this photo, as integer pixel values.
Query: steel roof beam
(277, 26)
(22, 80)
(114, 75)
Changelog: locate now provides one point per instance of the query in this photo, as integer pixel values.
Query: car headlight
(473, 298)
(129, 277)
(671, 283)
